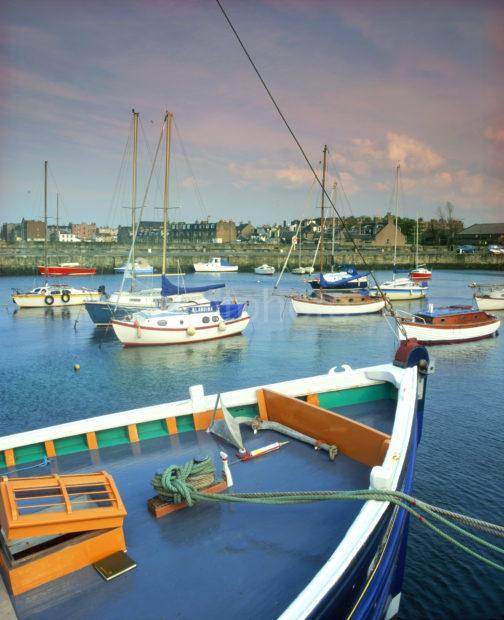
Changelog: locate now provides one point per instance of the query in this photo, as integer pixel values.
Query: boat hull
(133, 335)
(420, 276)
(58, 301)
(312, 307)
(66, 271)
(487, 302)
(204, 268)
(303, 270)
(400, 294)
(264, 271)
(430, 335)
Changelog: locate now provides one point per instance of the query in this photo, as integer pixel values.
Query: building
(199, 232)
(85, 232)
(389, 234)
(106, 234)
(481, 234)
(9, 232)
(33, 230)
(225, 232)
(245, 231)
(66, 237)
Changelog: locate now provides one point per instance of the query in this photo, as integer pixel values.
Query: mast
(322, 222)
(45, 218)
(57, 214)
(396, 212)
(416, 249)
(134, 192)
(168, 120)
(333, 224)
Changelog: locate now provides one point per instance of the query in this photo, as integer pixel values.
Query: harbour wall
(22, 258)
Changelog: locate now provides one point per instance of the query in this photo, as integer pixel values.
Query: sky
(414, 82)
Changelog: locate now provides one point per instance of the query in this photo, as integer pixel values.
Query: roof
(484, 229)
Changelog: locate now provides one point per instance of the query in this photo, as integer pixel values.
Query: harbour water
(460, 462)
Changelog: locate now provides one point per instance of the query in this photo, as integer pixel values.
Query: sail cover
(168, 288)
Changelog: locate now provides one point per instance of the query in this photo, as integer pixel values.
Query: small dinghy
(447, 325)
(265, 270)
(488, 296)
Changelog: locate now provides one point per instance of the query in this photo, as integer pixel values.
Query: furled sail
(168, 288)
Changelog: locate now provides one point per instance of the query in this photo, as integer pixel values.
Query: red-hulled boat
(66, 269)
(420, 273)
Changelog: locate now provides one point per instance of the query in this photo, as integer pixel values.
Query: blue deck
(243, 561)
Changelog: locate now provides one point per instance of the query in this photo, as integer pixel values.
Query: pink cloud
(412, 154)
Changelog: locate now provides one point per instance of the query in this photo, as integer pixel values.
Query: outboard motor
(103, 293)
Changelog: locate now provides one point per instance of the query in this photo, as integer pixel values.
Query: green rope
(178, 484)
(185, 483)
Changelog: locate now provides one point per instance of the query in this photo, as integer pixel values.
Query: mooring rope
(187, 483)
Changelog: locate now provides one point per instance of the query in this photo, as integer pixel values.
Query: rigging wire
(135, 232)
(387, 302)
(199, 196)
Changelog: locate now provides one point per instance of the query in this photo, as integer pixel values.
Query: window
(161, 323)
(206, 319)
(215, 319)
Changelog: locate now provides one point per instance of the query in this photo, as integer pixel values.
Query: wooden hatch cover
(59, 504)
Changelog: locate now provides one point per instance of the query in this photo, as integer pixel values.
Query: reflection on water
(48, 314)
(102, 335)
(198, 356)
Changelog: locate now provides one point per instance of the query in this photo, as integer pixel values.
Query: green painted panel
(246, 411)
(2, 460)
(27, 454)
(68, 445)
(185, 423)
(353, 396)
(112, 437)
(150, 430)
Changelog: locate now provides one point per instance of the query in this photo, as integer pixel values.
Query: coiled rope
(185, 483)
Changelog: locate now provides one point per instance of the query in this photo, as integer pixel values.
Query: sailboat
(344, 277)
(122, 303)
(399, 289)
(53, 294)
(325, 302)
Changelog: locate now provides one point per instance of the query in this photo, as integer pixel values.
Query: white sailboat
(399, 289)
(124, 302)
(324, 303)
(52, 295)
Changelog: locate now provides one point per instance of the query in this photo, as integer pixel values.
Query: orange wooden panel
(203, 418)
(263, 413)
(82, 502)
(64, 559)
(133, 433)
(171, 426)
(92, 443)
(312, 399)
(10, 461)
(159, 508)
(358, 441)
(49, 448)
